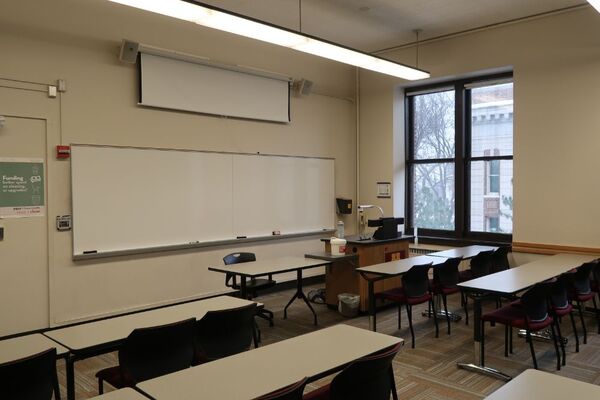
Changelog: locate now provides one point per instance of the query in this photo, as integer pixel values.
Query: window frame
(462, 160)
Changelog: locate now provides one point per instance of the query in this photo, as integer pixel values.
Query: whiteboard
(209, 89)
(131, 199)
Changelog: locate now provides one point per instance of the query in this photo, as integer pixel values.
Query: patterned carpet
(427, 372)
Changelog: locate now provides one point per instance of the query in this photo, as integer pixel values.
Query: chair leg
(510, 340)
(393, 384)
(257, 331)
(505, 340)
(528, 338)
(100, 386)
(597, 312)
(255, 338)
(582, 322)
(444, 300)
(575, 332)
(466, 305)
(412, 332)
(482, 343)
(562, 344)
(267, 315)
(399, 316)
(555, 346)
(435, 321)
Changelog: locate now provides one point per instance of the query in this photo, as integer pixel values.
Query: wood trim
(541, 248)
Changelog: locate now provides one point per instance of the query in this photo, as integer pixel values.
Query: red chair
(151, 352)
(561, 307)
(291, 392)
(596, 282)
(445, 282)
(581, 291)
(531, 314)
(414, 290)
(481, 265)
(369, 378)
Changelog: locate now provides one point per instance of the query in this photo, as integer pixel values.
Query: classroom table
(100, 337)
(121, 394)
(272, 266)
(263, 370)
(510, 282)
(376, 272)
(533, 384)
(24, 346)
(465, 253)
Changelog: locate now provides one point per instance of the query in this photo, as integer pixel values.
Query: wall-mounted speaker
(129, 51)
(303, 86)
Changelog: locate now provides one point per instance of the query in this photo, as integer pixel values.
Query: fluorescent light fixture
(595, 4)
(223, 20)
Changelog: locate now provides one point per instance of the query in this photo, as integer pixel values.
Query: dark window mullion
(489, 158)
(459, 165)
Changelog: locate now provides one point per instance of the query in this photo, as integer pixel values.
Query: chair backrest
(559, 292)
(481, 264)
(580, 279)
(535, 301)
(159, 350)
(500, 259)
(224, 333)
(291, 392)
(596, 272)
(237, 258)
(30, 378)
(415, 282)
(446, 275)
(367, 378)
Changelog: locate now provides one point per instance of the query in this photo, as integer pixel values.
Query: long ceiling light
(595, 4)
(223, 20)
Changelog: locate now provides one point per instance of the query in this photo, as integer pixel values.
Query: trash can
(348, 304)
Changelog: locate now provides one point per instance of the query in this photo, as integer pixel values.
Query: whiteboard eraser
(276, 233)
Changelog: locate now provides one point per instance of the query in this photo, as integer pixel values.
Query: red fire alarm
(63, 152)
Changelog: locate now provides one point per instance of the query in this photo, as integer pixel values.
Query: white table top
(533, 384)
(260, 371)
(121, 394)
(25, 346)
(399, 267)
(86, 335)
(270, 266)
(464, 252)
(516, 279)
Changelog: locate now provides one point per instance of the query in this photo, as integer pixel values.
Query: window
(459, 159)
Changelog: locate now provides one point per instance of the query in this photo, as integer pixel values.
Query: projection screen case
(210, 89)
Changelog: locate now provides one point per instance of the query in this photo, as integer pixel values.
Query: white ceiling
(372, 25)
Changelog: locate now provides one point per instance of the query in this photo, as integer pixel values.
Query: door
(24, 249)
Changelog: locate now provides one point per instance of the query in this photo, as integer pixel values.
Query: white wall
(556, 62)
(79, 41)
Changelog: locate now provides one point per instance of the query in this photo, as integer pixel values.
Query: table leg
(479, 366)
(372, 309)
(441, 313)
(299, 295)
(70, 367)
(243, 290)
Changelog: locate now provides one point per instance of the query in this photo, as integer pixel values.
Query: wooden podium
(341, 276)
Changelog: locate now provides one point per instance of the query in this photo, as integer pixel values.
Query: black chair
(414, 290)
(30, 378)
(500, 259)
(581, 291)
(291, 392)
(531, 313)
(253, 286)
(370, 378)
(481, 265)
(561, 306)
(224, 333)
(151, 352)
(445, 281)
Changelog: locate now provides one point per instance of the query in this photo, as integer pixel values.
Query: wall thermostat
(63, 223)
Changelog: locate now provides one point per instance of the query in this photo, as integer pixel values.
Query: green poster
(21, 187)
